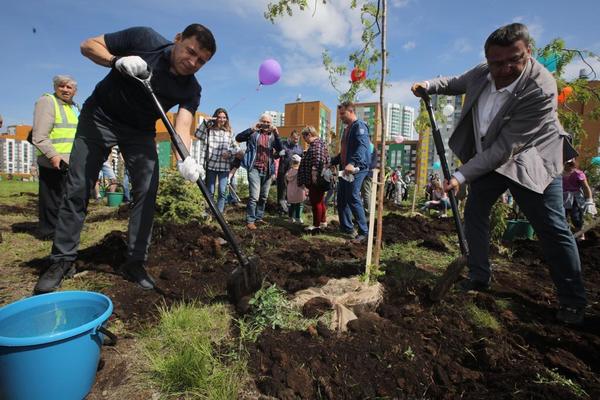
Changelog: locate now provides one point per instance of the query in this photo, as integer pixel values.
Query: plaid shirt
(263, 152)
(316, 156)
(219, 142)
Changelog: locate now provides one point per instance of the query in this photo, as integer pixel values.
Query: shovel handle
(183, 154)
(441, 151)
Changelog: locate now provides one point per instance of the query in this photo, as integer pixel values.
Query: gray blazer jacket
(525, 140)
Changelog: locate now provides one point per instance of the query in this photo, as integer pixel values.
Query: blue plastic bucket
(50, 345)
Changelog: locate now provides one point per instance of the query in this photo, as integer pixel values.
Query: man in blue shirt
(354, 161)
(119, 112)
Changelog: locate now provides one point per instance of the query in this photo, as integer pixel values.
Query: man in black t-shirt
(119, 112)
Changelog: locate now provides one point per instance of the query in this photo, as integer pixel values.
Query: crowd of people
(508, 138)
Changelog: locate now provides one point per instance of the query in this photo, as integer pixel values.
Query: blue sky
(425, 39)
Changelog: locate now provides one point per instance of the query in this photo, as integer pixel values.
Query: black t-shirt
(121, 99)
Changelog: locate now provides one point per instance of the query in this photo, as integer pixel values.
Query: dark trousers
(282, 188)
(51, 192)
(92, 144)
(349, 203)
(546, 214)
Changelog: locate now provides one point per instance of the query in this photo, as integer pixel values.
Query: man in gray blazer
(509, 137)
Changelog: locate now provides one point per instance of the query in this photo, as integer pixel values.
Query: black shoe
(134, 271)
(52, 278)
(469, 285)
(570, 315)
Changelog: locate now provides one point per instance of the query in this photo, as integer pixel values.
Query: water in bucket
(49, 319)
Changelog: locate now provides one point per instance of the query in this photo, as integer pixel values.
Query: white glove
(131, 65)
(189, 169)
(282, 153)
(589, 207)
(327, 174)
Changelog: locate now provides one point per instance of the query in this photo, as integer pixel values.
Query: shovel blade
(448, 279)
(244, 281)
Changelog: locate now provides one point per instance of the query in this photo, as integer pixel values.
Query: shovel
(454, 269)
(245, 279)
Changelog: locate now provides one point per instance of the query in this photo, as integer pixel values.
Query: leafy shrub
(178, 201)
(270, 308)
(498, 217)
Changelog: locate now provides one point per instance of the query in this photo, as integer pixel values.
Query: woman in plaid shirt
(217, 147)
(311, 167)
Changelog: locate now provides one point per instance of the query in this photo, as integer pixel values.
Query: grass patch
(503, 304)
(482, 318)
(88, 282)
(554, 378)
(411, 252)
(184, 353)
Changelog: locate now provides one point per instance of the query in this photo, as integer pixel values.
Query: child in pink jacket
(295, 194)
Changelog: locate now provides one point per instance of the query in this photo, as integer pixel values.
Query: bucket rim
(49, 298)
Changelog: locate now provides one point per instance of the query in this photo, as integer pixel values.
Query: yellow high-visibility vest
(65, 126)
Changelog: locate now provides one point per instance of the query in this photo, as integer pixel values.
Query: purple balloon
(269, 72)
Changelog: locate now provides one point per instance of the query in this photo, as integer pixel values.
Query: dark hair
(216, 114)
(203, 35)
(507, 35)
(347, 105)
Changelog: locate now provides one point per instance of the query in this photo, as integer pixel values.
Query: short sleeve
(193, 102)
(140, 38)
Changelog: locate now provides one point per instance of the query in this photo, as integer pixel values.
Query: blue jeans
(211, 180)
(259, 184)
(546, 214)
(349, 203)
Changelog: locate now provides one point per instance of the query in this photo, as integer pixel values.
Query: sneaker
(310, 228)
(360, 239)
(570, 315)
(261, 222)
(134, 271)
(323, 225)
(468, 285)
(251, 226)
(351, 235)
(52, 278)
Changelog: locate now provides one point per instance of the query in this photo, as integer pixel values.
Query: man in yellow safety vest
(54, 124)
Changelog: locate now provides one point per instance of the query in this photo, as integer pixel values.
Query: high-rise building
(399, 121)
(302, 113)
(277, 117)
(17, 155)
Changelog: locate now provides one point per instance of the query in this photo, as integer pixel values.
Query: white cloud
(400, 3)
(409, 45)
(462, 46)
(332, 25)
(534, 25)
(395, 92)
(459, 46)
(572, 70)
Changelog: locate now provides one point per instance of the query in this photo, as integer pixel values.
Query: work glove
(131, 65)
(189, 169)
(282, 153)
(589, 207)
